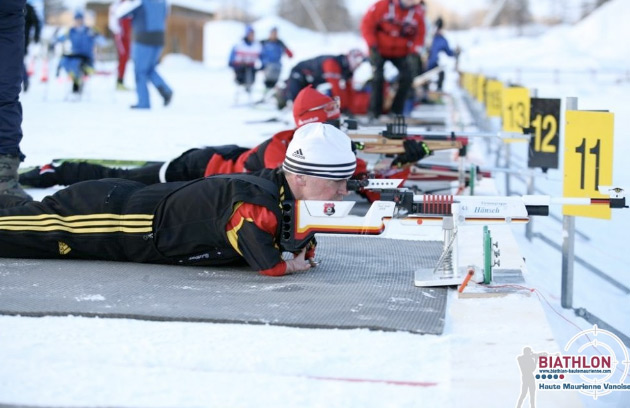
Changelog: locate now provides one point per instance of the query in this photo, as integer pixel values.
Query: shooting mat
(362, 282)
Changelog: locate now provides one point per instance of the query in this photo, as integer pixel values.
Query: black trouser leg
(414, 62)
(440, 80)
(190, 165)
(404, 84)
(69, 173)
(378, 77)
(84, 221)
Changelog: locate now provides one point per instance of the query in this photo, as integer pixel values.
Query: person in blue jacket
(80, 61)
(273, 49)
(148, 21)
(439, 44)
(11, 67)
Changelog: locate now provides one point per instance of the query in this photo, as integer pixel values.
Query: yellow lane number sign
(588, 160)
(515, 109)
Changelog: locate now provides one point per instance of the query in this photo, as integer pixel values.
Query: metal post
(507, 166)
(529, 227)
(461, 173)
(568, 242)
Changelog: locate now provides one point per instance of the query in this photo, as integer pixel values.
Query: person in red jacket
(392, 29)
(310, 106)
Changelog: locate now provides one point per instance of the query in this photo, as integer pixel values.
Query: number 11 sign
(588, 160)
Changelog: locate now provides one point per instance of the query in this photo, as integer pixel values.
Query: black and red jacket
(267, 155)
(330, 69)
(223, 220)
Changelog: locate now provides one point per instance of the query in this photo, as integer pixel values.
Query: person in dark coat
(335, 70)
(34, 27)
(11, 75)
(225, 219)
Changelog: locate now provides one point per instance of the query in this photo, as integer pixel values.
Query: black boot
(40, 177)
(9, 176)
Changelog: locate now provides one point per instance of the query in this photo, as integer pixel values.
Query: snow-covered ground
(71, 361)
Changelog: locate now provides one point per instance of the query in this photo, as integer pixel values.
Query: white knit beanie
(320, 150)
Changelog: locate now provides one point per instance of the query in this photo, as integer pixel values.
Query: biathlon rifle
(390, 140)
(303, 219)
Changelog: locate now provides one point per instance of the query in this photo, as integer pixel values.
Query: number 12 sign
(543, 146)
(588, 160)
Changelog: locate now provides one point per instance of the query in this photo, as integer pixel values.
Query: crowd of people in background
(249, 56)
(394, 31)
(138, 29)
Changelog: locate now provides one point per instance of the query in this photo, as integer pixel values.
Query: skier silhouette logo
(528, 362)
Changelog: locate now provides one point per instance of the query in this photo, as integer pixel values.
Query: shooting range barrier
(588, 155)
(361, 282)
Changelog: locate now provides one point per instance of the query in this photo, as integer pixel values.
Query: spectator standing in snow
(148, 22)
(439, 45)
(273, 49)
(392, 29)
(243, 58)
(11, 74)
(335, 70)
(33, 26)
(210, 221)
(80, 61)
(121, 29)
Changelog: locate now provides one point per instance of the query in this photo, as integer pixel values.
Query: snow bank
(598, 42)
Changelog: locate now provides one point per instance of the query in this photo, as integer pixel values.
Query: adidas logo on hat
(298, 154)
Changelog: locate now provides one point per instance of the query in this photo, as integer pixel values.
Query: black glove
(414, 151)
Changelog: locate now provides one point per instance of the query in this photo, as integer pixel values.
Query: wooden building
(184, 32)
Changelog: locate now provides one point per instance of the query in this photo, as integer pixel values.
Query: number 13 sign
(588, 155)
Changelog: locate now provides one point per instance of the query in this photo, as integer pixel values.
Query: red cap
(312, 106)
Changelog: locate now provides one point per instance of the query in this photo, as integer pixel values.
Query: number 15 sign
(588, 160)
